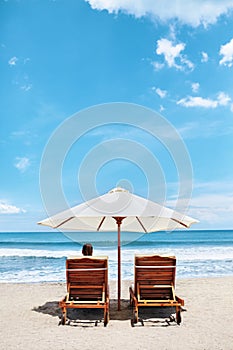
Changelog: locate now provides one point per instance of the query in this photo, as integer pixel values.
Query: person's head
(87, 249)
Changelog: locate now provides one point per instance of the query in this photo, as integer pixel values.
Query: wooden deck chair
(154, 285)
(87, 285)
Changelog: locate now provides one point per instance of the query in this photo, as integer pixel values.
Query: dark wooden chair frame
(154, 285)
(87, 286)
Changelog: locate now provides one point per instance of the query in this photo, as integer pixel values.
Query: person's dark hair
(87, 249)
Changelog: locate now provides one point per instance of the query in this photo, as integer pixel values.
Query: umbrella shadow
(160, 317)
(86, 317)
(49, 308)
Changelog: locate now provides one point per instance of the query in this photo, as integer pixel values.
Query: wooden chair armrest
(132, 295)
(181, 301)
(62, 302)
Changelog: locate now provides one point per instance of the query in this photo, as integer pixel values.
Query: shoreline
(30, 319)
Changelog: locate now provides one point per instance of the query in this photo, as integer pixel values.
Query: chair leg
(63, 318)
(106, 317)
(178, 315)
(135, 316)
(131, 300)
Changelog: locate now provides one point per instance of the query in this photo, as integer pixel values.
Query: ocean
(30, 257)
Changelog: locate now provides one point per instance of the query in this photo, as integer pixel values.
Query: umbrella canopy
(119, 207)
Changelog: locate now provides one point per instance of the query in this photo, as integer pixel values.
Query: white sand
(30, 318)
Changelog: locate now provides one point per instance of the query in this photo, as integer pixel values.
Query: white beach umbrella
(119, 207)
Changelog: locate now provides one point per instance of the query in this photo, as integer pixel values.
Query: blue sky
(61, 57)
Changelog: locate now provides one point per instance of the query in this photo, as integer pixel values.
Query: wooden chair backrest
(154, 270)
(87, 276)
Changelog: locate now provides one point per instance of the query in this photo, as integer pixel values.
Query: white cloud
(223, 99)
(6, 208)
(22, 164)
(192, 12)
(161, 93)
(205, 57)
(195, 87)
(198, 101)
(227, 52)
(13, 61)
(172, 54)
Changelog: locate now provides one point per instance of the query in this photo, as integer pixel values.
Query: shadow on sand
(161, 317)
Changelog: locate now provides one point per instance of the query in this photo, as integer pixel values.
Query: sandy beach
(30, 319)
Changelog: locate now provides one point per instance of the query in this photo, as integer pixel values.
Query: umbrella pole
(119, 264)
(119, 221)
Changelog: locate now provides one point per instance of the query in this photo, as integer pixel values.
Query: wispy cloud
(189, 129)
(13, 61)
(227, 52)
(211, 208)
(26, 87)
(192, 12)
(186, 62)
(24, 136)
(21, 79)
(211, 203)
(6, 208)
(26, 60)
(204, 129)
(22, 163)
(222, 99)
(173, 54)
(19, 134)
(157, 65)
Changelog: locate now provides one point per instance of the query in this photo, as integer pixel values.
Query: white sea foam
(48, 265)
(25, 276)
(188, 254)
(4, 252)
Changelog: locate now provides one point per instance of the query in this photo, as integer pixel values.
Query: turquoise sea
(40, 256)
